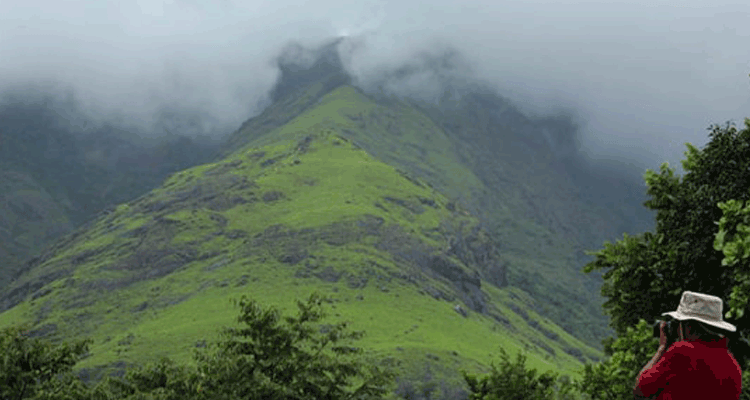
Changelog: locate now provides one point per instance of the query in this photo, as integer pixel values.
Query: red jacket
(694, 370)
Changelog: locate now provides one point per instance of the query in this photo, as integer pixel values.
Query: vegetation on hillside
(543, 200)
(267, 356)
(297, 205)
(37, 369)
(479, 157)
(53, 179)
(700, 244)
(702, 217)
(475, 152)
(312, 211)
(523, 177)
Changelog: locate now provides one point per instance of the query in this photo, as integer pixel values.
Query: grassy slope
(479, 154)
(534, 208)
(29, 219)
(543, 201)
(155, 276)
(52, 179)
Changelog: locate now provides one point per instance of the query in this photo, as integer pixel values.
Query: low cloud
(644, 76)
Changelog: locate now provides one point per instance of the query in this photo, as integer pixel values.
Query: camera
(670, 329)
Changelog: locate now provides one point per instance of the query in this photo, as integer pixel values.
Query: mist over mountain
(440, 85)
(641, 77)
(461, 201)
(190, 154)
(443, 84)
(59, 170)
(551, 110)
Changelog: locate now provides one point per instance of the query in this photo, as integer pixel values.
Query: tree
(511, 380)
(32, 368)
(163, 380)
(293, 358)
(613, 379)
(266, 357)
(733, 240)
(646, 274)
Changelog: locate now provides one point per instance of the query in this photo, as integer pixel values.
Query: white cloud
(647, 76)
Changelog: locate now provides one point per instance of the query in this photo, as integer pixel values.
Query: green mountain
(445, 231)
(543, 201)
(53, 179)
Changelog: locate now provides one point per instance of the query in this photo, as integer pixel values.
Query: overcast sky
(645, 76)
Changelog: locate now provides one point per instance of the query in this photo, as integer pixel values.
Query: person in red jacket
(698, 365)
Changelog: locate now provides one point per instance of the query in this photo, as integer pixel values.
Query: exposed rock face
(497, 273)
(213, 192)
(476, 253)
(477, 249)
(467, 283)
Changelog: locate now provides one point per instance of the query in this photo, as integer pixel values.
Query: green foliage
(632, 281)
(270, 357)
(613, 379)
(430, 388)
(164, 380)
(31, 368)
(472, 156)
(157, 265)
(733, 240)
(151, 277)
(512, 380)
(266, 357)
(646, 274)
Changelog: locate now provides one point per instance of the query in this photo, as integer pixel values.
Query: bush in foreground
(266, 356)
(511, 380)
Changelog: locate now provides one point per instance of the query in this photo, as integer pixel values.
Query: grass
(531, 208)
(425, 326)
(276, 220)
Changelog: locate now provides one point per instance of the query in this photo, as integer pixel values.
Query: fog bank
(643, 76)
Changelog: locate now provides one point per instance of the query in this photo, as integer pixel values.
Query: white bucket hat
(701, 307)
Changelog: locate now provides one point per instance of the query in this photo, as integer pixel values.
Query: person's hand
(662, 335)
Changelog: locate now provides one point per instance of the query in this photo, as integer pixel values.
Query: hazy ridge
(468, 211)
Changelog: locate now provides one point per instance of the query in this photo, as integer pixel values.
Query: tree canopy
(701, 242)
(265, 356)
(38, 369)
(510, 380)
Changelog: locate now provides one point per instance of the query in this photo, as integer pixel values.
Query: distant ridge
(467, 210)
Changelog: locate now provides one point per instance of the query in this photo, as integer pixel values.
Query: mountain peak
(301, 67)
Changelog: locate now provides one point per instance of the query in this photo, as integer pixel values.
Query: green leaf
(702, 226)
